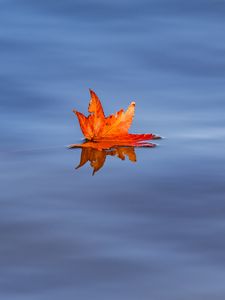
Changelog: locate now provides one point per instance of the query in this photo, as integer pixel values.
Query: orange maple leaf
(103, 132)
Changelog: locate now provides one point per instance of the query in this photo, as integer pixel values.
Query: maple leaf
(103, 132)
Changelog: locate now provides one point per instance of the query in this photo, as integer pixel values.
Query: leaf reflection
(97, 157)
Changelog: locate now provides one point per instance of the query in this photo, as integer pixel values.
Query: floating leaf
(107, 132)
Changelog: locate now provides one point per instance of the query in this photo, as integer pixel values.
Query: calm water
(153, 229)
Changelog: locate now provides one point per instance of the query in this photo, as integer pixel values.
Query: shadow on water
(98, 157)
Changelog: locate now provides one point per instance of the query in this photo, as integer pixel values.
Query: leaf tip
(156, 137)
(91, 92)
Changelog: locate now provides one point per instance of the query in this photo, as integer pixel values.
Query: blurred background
(153, 229)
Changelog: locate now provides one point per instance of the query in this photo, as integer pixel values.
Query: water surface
(151, 229)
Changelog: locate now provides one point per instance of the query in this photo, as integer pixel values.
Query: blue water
(151, 229)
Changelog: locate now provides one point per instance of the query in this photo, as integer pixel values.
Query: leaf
(106, 132)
